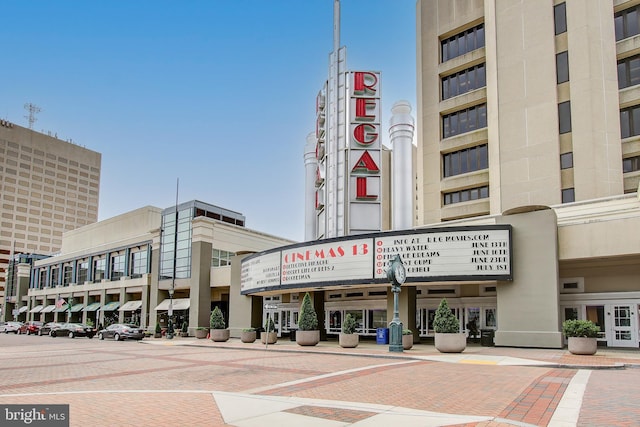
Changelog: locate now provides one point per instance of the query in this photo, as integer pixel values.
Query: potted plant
(582, 336)
(348, 337)
(184, 331)
(219, 333)
(248, 335)
(448, 338)
(158, 331)
(407, 339)
(201, 332)
(270, 336)
(307, 333)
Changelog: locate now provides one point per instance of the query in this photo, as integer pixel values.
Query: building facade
(47, 187)
(122, 269)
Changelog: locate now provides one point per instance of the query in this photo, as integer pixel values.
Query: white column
(401, 127)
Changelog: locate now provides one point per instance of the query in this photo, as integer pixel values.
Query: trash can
(382, 336)
(292, 334)
(486, 337)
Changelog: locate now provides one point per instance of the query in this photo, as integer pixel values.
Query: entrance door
(624, 326)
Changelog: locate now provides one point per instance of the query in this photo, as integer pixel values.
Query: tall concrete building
(525, 103)
(47, 186)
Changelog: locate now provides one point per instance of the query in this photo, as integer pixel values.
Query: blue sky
(220, 94)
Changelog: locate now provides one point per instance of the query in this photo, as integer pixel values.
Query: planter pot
(349, 340)
(407, 342)
(219, 335)
(184, 334)
(307, 338)
(248, 336)
(268, 337)
(450, 343)
(157, 334)
(202, 333)
(583, 345)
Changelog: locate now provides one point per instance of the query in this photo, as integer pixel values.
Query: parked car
(122, 331)
(7, 327)
(73, 330)
(48, 327)
(30, 327)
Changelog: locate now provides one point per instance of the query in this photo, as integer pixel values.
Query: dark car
(48, 327)
(30, 327)
(73, 330)
(122, 331)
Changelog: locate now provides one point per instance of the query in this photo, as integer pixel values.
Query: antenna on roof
(33, 110)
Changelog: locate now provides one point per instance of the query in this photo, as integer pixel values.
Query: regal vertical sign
(364, 164)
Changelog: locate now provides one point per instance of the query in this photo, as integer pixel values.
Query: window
(464, 121)
(631, 164)
(626, 23)
(117, 266)
(560, 18)
(221, 258)
(630, 121)
(562, 67)
(466, 195)
(464, 81)
(629, 72)
(82, 272)
(467, 160)
(568, 195)
(566, 160)
(462, 43)
(42, 283)
(67, 271)
(139, 263)
(53, 277)
(181, 238)
(564, 116)
(99, 268)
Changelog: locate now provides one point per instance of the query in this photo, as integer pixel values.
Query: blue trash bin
(382, 336)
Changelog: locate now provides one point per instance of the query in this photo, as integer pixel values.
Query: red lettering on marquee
(364, 83)
(366, 164)
(361, 189)
(365, 134)
(363, 105)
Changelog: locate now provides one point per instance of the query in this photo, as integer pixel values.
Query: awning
(131, 306)
(36, 309)
(76, 308)
(178, 304)
(22, 309)
(48, 309)
(62, 309)
(111, 306)
(94, 306)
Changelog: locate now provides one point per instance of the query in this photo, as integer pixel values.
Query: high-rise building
(47, 186)
(527, 103)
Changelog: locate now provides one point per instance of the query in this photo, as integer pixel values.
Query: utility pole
(33, 109)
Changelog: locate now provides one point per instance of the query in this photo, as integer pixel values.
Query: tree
(308, 318)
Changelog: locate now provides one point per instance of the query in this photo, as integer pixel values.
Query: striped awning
(178, 304)
(131, 306)
(76, 307)
(22, 309)
(110, 306)
(92, 307)
(48, 309)
(36, 309)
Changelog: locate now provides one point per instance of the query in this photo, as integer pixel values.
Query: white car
(10, 327)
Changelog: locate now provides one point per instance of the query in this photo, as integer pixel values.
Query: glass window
(560, 18)
(631, 164)
(99, 268)
(117, 266)
(626, 23)
(466, 195)
(464, 81)
(54, 280)
(564, 116)
(562, 67)
(82, 272)
(629, 72)
(463, 161)
(139, 261)
(566, 160)
(462, 43)
(568, 195)
(183, 243)
(466, 120)
(67, 272)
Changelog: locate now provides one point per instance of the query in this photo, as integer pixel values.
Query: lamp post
(397, 275)
(175, 260)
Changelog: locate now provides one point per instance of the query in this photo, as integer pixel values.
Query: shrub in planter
(270, 336)
(308, 333)
(158, 331)
(248, 335)
(201, 332)
(348, 338)
(448, 338)
(407, 339)
(582, 336)
(184, 331)
(216, 322)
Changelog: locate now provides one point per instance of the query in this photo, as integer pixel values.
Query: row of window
(462, 43)
(467, 160)
(466, 120)
(464, 81)
(627, 23)
(466, 195)
(78, 271)
(221, 258)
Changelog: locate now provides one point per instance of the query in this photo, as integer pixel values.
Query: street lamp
(397, 275)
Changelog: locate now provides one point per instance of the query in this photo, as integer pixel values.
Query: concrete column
(200, 292)
(244, 311)
(310, 167)
(528, 307)
(401, 127)
(317, 299)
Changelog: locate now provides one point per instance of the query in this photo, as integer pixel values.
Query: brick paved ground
(129, 383)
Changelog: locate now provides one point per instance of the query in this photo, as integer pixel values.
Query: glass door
(624, 325)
